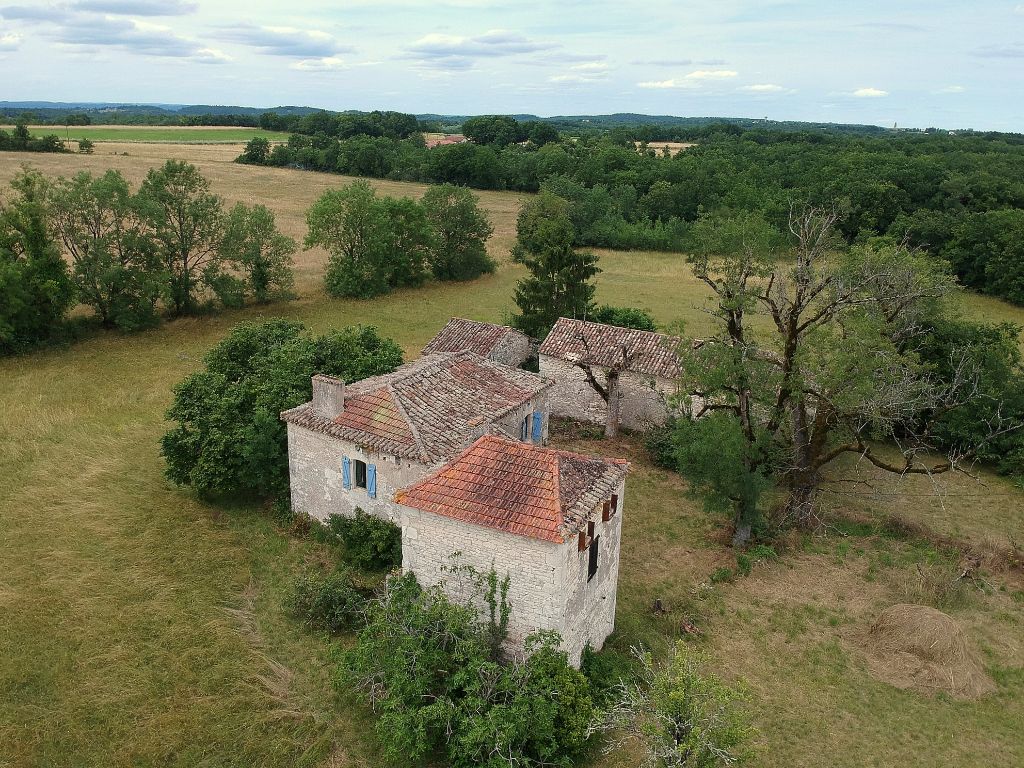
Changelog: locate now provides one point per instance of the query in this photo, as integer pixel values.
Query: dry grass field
(179, 134)
(140, 626)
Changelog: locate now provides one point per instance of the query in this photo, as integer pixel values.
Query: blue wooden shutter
(346, 473)
(538, 426)
(371, 480)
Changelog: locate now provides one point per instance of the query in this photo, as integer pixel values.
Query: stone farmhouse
(356, 445)
(646, 382)
(550, 519)
(450, 447)
(495, 342)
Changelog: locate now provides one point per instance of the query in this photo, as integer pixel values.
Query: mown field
(178, 134)
(139, 626)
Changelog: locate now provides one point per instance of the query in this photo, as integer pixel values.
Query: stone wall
(644, 398)
(549, 587)
(314, 465)
(513, 349)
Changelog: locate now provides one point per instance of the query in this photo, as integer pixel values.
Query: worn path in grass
(142, 627)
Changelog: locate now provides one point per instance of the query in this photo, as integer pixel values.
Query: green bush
(228, 437)
(370, 542)
(624, 317)
(328, 601)
(426, 666)
(683, 717)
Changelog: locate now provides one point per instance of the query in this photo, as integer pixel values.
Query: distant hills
(129, 112)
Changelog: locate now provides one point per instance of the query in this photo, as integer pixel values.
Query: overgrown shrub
(425, 665)
(370, 542)
(228, 437)
(624, 317)
(327, 600)
(683, 716)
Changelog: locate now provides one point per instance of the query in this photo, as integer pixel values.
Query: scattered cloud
(33, 13)
(137, 7)
(588, 72)
(952, 89)
(667, 84)
(9, 41)
(663, 62)
(1008, 51)
(764, 88)
(461, 52)
(325, 64)
(134, 36)
(711, 74)
(287, 41)
(1019, 9)
(869, 93)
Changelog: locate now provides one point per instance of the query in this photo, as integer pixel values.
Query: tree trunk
(804, 479)
(741, 533)
(611, 423)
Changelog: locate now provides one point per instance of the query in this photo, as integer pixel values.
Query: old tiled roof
(652, 354)
(461, 335)
(427, 410)
(518, 488)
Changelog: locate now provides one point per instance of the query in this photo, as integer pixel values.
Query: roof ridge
(409, 422)
(619, 327)
(557, 461)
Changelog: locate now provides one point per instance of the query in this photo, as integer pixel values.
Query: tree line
(174, 248)
(20, 139)
(171, 248)
(959, 197)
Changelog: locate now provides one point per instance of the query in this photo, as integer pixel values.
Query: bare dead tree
(610, 391)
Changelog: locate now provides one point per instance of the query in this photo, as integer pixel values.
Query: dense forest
(959, 196)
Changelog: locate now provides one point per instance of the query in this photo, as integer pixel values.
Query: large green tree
(559, 283)
(374, 244)
(461, 229)
(835, 372)
(36, 290)
(187, 221)
(115, 263)
(253, 245)
(228, 437)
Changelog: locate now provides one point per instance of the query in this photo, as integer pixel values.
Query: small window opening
(360, 474)
(592, 564)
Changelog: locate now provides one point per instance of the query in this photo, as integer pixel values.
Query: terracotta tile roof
(653, 354)
(518, 488)
(461, 335)
(427, 410)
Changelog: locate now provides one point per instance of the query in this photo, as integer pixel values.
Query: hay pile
(923, 649)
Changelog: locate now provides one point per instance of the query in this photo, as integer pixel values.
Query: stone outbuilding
(499, 343)
(550, 519)
(647, 381)
(355, 445)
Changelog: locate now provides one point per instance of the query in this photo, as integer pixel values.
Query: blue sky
(948, 64)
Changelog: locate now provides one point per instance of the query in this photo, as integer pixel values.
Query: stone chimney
(328, 396)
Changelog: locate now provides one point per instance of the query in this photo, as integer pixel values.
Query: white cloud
(952, 89)
(9, 41)
(287, 41)
(325, 64)
(711, 74)
(667, 84)
(211, 54)
(588, 72)
(460, 51)
(763, 88)
(869, 93)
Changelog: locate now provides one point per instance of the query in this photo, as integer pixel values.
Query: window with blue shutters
(538, 426)
(371, 480)
(346, 472)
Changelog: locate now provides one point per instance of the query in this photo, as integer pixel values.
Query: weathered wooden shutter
(538, 426)
(371, 480)
(346, 473)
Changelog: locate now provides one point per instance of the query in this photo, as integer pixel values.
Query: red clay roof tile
(653, 354)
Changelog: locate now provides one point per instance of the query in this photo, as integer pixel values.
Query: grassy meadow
(140, 626)
(177, 134)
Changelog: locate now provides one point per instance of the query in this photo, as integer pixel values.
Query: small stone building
(550, 519)
(647, 382)
(356, 445)
(495, 342)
